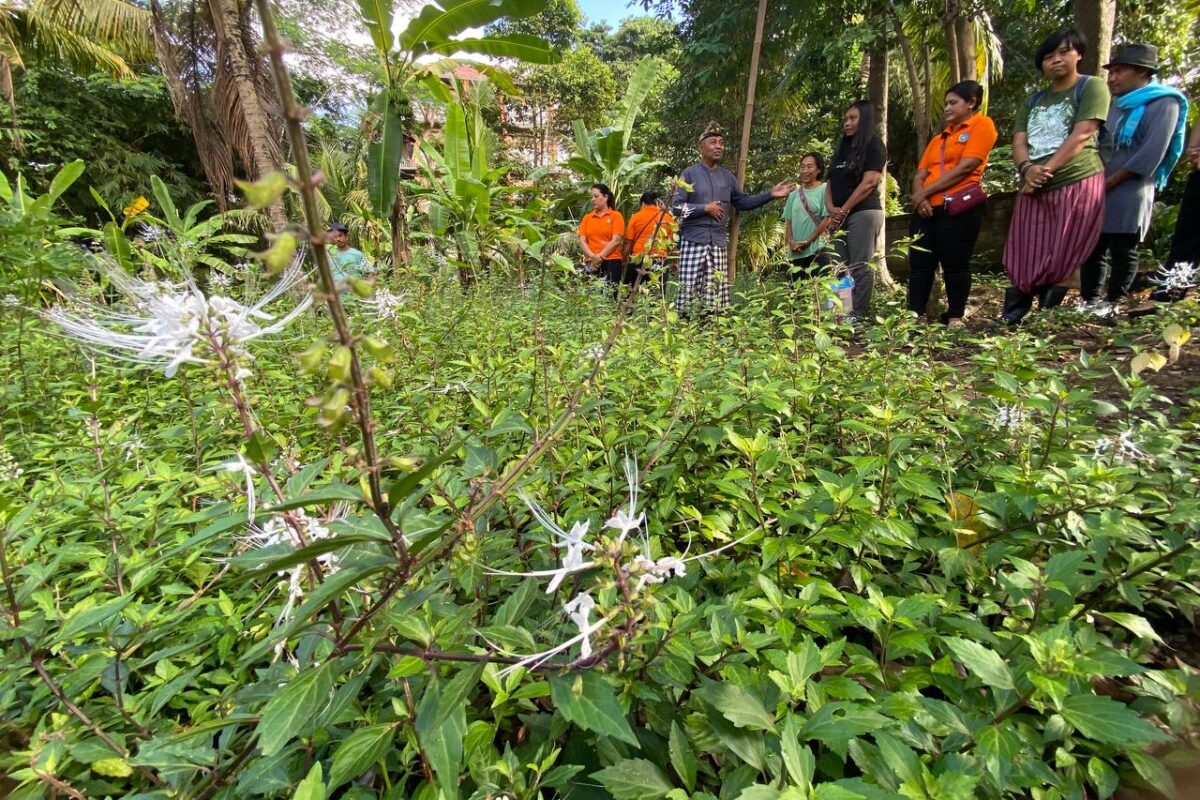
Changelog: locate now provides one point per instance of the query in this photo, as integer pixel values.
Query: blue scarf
(1133, 104)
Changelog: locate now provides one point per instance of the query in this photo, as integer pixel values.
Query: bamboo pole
(747, 116)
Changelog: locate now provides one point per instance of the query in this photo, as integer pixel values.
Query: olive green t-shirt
(1049, 121)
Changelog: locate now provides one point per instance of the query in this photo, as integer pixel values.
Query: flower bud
(379, 348)
(339, 364)
(310, 359)
(265, 191)
(381, 377)
(361, 288)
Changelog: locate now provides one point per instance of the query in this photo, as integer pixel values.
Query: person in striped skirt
(1057, 218)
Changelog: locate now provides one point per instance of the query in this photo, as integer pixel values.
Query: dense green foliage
(948, 564)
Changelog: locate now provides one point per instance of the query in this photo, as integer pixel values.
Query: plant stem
(306, 185)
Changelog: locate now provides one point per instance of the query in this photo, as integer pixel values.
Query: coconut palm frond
(114, 23)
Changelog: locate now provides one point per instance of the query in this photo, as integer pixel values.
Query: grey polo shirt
(708, 185)
(1127, 207)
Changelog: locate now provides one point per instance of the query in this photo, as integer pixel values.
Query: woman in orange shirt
(947, 197)
(600, 236)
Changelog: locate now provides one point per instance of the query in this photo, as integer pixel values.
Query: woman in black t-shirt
(853, 203)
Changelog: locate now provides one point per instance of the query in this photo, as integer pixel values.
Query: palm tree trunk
(747, 118)
(916, 85)
(226, 22)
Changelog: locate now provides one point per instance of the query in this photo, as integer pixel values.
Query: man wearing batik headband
(701, 202)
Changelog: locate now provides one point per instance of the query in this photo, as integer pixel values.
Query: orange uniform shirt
(641, 228)
(599, 229)
(974, 138)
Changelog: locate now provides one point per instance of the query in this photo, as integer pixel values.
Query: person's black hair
(853, 149)
(1071, 36)
(649, 198)
(820, 159)
(968, 91)
(607, 192)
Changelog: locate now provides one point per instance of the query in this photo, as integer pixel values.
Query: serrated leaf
(1000, 747)
(984, 663)
(312, 787)
(587, 700)
(682, 758)
(1108, 721)
(1147, 360)
(289, 711)
(1136, 625)
(740, 707)
(634, 779)
(358, 752)
(1103, 777)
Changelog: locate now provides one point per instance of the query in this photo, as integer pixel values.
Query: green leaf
(383, 164)
(1136, 625)
(1108, 721)
(78, 623)
(312, 787)
(112, 768)
(403, 487)
(1000, 747)
(797, 758)
(900, 758)
(739, 706)
(683, 760)
(519, 46)
(641, 83)
(64, 178)
(835, 724)
(359, 751)
(289, 711)
(435, 25)
(377, 16)
(1102, 776)
(759, 792)
(634, 779)
(117, 244)
(1153, 771)
(984, 663)
(165, 203)
(586, 699)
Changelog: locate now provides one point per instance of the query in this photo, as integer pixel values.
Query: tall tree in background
(747, 120)
(1096, 18)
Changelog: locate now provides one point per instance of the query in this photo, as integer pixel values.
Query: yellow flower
(136, 207)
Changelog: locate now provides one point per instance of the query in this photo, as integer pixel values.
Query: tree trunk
(916, 85)
(263, 146)
(964, 31)
(747, 117)
(950, 12)
(1096, 19)
(399, 221)
(215, 157)
(877, 93)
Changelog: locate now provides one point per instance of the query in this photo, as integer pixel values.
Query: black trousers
(1185, 244)
(1111, 267)
(616, 272)
(950, 242)
(1017, 304)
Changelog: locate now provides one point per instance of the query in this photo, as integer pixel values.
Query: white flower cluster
(10, 470)
(219, 280)
(385, 304)
(1010, 417)
(1122, 447)
(1176, 277)
(10, 300)
(581, 555)
(595, 352)
(279, 530)
(169, 321)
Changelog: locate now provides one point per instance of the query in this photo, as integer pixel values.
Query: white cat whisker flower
(169, 321)
(385, 304)
(241, 465)
(1176, 277)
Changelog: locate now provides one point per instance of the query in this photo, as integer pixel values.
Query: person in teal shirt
(807, 220)
(345, 261)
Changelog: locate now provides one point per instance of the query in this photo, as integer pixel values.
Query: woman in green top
(1056, 221)
(806, 220)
